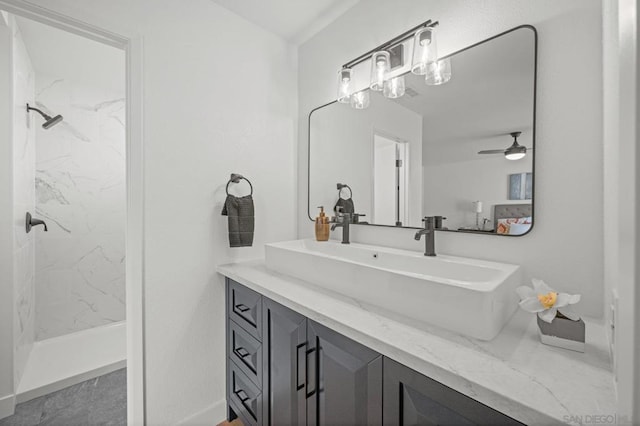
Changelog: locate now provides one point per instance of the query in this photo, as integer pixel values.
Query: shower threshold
(63, 361)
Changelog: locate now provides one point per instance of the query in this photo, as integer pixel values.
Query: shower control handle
(30, 222)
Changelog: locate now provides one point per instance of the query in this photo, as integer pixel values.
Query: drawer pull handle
(242, 307)
(241, 352)
(242, 395)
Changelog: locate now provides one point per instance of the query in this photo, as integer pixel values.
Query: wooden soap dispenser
(322, 226)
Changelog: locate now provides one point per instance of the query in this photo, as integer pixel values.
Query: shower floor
(63, 361)
(99, 401)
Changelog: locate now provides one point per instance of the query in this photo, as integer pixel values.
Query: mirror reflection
(461, 151)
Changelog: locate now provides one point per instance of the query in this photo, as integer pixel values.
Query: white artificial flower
(547, 302)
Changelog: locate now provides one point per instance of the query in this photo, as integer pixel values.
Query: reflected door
(389, 181)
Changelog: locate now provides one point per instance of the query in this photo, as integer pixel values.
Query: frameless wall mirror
(463, 150)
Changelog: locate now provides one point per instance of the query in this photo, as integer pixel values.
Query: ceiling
(294, 20)
(60, 54)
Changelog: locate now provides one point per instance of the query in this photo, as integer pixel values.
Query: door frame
(404, 176)
(132, 45)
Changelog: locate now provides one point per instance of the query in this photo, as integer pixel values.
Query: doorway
(390, 175)
(129, 336)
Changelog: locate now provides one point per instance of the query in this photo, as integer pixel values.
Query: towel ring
(340, 187)
(236, 178)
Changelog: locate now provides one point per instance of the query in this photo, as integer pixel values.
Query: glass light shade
(360, 100)
(425, 50)
(345, 85)
(439, 72)
(380, 66)
(394, 87)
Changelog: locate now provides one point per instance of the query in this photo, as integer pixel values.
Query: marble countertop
(514, 373)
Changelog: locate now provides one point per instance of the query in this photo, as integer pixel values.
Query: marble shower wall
(80, 193)
(24, 158)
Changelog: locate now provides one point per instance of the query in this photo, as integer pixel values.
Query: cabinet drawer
(244, 306)
(246, 352)
(244, 395)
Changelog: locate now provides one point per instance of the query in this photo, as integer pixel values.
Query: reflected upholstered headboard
(509, 211)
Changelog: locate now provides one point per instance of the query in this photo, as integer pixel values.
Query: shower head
(49, 121)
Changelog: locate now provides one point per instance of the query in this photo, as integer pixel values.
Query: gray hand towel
(346, 204)
(240, 212)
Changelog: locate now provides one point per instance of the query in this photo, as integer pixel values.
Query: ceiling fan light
(515, 153)
(515, 156)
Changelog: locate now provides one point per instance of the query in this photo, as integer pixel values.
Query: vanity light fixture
(360, 100)
(438, 72)
(382, 62)
(394, 87)
(345, 85)
(425, 50)
(380, 67)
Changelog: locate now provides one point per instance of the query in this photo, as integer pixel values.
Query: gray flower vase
(563, 333)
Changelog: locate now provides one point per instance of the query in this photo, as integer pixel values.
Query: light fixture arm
(394, 41)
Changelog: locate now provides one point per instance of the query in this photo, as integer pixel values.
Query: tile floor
(100, 401)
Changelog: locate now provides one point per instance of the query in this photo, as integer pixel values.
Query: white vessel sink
(466, 296)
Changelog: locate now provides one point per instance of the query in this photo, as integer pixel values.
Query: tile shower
(69, 282)
(80, 192)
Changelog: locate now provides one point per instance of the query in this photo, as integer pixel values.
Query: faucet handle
(355, 217)
(438, 221)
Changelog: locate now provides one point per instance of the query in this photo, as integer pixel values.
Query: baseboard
(210, 416)
(8, 405)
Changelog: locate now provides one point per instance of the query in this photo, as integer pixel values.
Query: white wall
(484, 179)
(569, 119)
(24, 156)
(621, 189)
(80, 192)
(219, 97)
(343, 152)
(7, 388)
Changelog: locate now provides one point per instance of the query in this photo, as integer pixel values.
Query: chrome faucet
(429, 232)
(344, 224)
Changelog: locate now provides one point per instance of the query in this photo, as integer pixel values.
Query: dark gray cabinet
(285, 365)
(347, 387)
(413, 399)
(285, 369)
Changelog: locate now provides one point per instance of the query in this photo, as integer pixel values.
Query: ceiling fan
(514, 152)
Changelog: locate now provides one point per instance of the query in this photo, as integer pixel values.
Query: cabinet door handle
(241, 352)
(311, 372)
(242, 395)
(301, 351)
(242, 307)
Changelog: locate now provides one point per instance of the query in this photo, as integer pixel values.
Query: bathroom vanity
(284, 369)
(299, 353)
